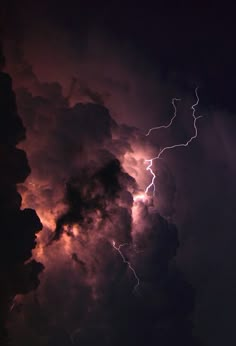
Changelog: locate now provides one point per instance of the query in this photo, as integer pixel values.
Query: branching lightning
(118, 249)
(150, 161)
(171, 120)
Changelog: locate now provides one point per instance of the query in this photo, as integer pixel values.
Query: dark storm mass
(80, 83)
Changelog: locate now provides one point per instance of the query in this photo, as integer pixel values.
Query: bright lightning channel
(150, 161)
(171, 120)
(118, 249)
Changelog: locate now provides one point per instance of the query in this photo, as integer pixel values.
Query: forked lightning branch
(149, 168)
(149, 162)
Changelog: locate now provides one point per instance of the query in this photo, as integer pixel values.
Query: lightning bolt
(118, 249)
(171, 120)
(150, 161)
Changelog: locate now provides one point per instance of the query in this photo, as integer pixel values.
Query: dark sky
(185, 45)
(193, 41)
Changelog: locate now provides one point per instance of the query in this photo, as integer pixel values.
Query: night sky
(80, 85)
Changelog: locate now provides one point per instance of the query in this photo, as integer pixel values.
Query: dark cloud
(84, 196)
(99, 201)
(18, 227)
